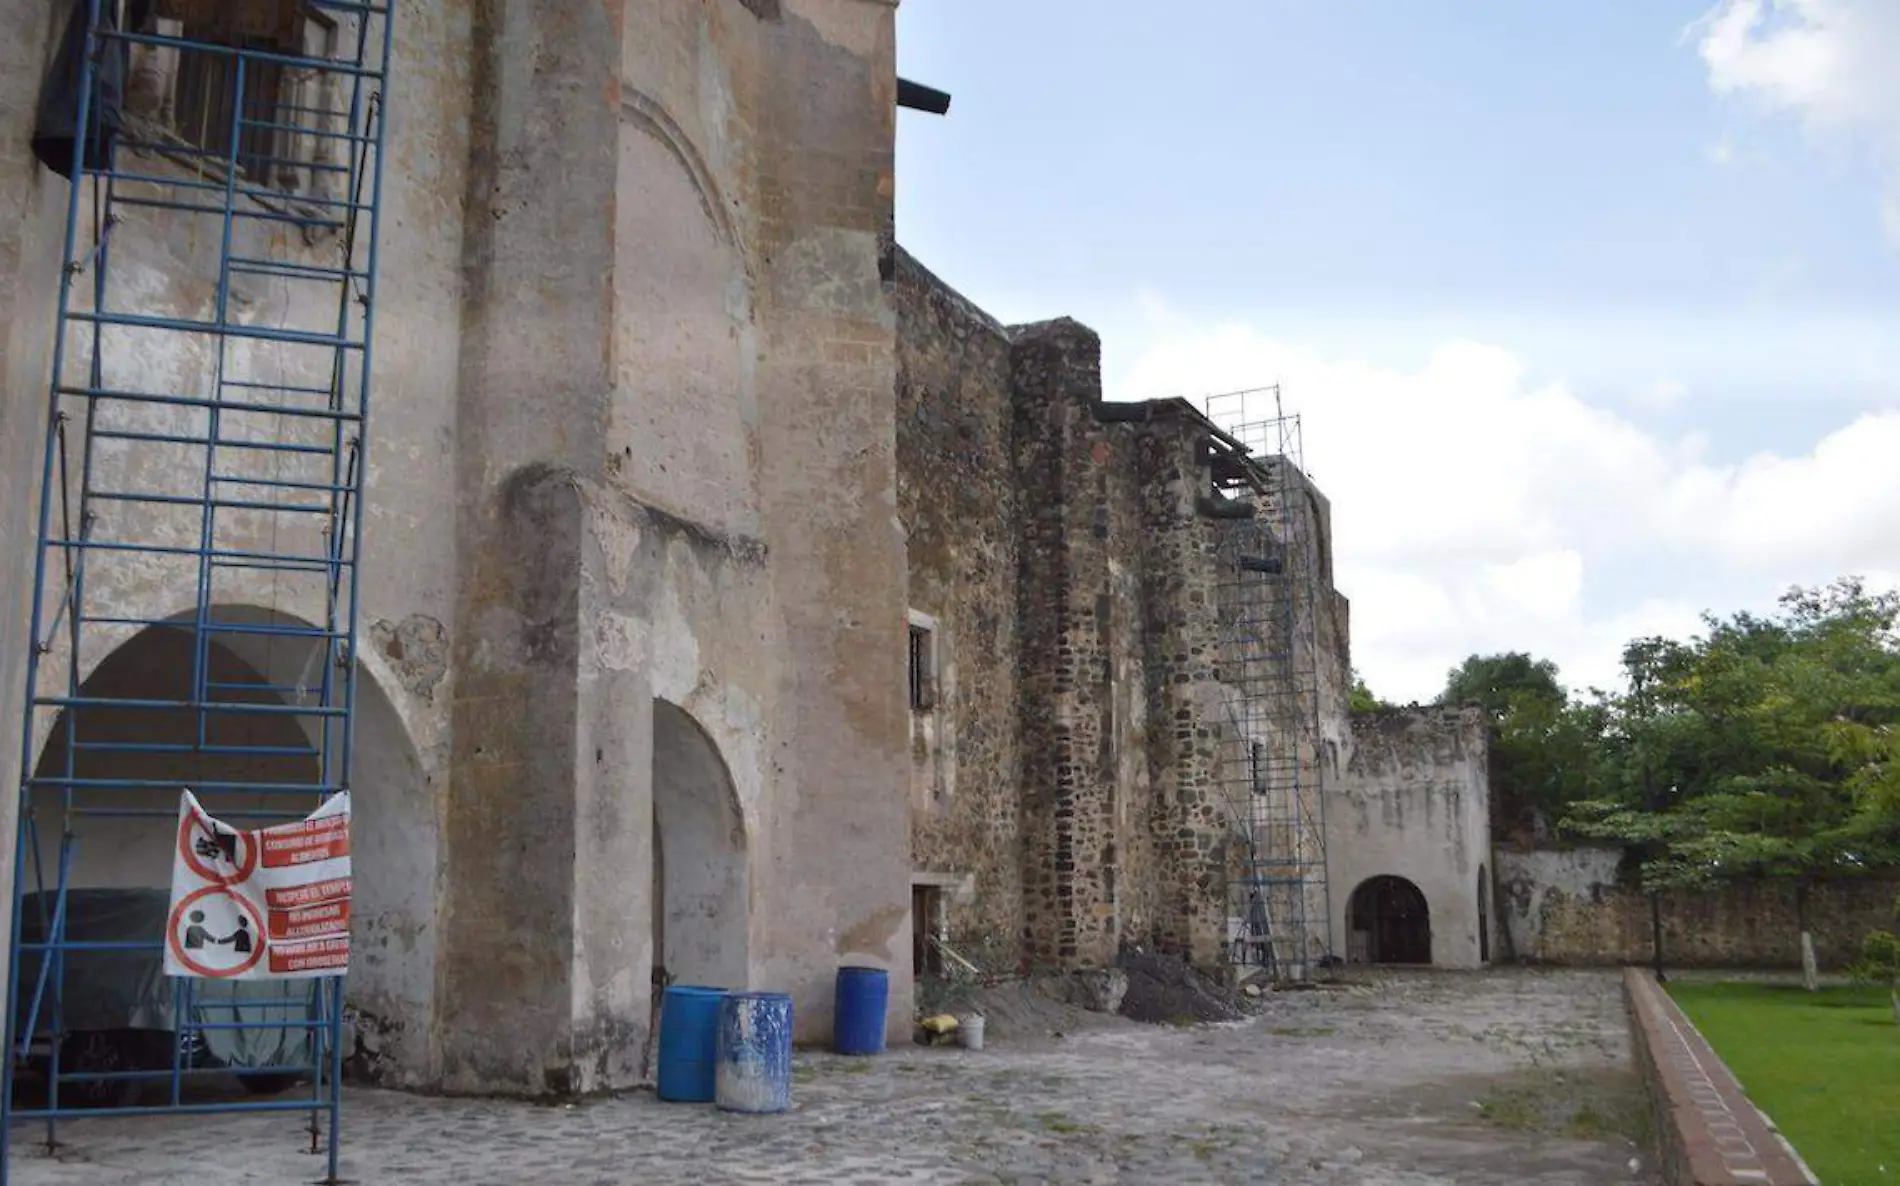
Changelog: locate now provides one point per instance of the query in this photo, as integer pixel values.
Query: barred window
(923, 675)
(198, 99)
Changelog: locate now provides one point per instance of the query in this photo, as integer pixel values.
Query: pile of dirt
(1163, 990)
(1015, 1010)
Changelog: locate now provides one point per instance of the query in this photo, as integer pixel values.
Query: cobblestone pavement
(1516, 1077)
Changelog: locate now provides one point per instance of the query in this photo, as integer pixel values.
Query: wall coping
(1708, 1131)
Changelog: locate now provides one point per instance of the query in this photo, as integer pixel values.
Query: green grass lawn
(1824, 1065)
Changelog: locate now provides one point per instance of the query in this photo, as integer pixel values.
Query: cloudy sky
(1591, 311)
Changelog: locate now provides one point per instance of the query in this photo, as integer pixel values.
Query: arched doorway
(1390, 921)
(701, 889)
(123, 834)
(162, 747)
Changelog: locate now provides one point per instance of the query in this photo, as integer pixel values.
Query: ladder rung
(194, 626)
(309, 569)
(173, 784)
(172, 813)
(287, 388)
(283, 484)
(272, 267)
(303, 130)
(258, 333)
(257, 214)
(273, 689)
(213, 503)
(318, 563)
(165, 438)
(281, 710)
(193, 401)
(179, 747)
(252, 192)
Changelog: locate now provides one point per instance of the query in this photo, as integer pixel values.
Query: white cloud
(1476, 510)
(1829, 62)
(1662, 396)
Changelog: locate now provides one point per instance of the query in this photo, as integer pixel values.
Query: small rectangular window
(279, 124)
(923, 675)
(926, 921)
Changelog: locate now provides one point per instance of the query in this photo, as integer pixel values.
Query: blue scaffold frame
(327, 427)
(1267, 609)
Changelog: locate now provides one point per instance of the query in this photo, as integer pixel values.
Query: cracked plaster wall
(697, 505)
(1412, 800)
(164, 263)
(632, 439)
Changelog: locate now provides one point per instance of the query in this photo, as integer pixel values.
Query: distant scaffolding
(1279, 911)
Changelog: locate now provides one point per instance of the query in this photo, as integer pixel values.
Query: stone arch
(394, 836)
(701, 885)
(1389, 921)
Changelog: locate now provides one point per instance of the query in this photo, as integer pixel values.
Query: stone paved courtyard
(1515, 1076)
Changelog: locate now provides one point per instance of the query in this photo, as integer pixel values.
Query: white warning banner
(268, 904)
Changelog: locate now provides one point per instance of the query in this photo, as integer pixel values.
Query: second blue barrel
(755, 1053)
(864, 996)
(689, 1043)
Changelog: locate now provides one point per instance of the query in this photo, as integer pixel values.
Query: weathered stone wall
(164, 263)
(632, 455)
(1067, 770)
(1412, 801)
(31, 210)
(1570, 906)
(959, 502)
(1069, 877)
(1189, 819)
(720, 381)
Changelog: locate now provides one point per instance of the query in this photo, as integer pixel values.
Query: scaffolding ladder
(1267, 602)
(195, 582)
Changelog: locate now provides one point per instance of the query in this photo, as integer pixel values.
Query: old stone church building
(1130, 682)
(736, 601)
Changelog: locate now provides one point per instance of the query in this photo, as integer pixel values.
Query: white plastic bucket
(970, 1031)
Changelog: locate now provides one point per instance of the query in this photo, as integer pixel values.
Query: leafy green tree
(1764, 747)
(1498, 682)
(1544, 748)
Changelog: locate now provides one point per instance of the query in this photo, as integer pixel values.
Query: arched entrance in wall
(393, 833)
(701, 890)
(1390, 922)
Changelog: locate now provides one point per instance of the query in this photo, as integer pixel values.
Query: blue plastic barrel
(755, 1053)
(864, 996)
(689, 1043)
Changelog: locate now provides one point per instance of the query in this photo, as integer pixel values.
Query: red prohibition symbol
(243, 855)
(184, 955)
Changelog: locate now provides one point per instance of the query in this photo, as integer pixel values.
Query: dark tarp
(56, 124)
(119, 990)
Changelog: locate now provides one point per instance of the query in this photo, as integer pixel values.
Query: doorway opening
(1484, 916)
(1390, 922)
(926, 930)
(701, 921)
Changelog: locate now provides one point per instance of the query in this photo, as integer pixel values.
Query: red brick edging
(1708, 1132)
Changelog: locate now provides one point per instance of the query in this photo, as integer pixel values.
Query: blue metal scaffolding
(202, 487)
(1267, 602)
